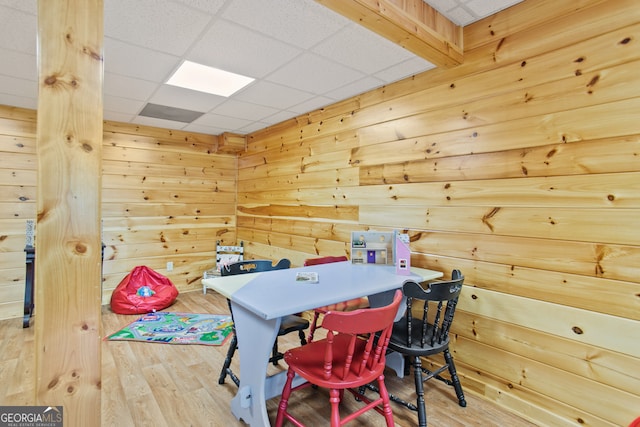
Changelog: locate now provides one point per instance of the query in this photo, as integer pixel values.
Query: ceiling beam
(412, 24)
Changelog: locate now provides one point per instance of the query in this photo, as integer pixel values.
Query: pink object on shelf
(403, 257)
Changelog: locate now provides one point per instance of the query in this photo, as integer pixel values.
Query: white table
(259, 300)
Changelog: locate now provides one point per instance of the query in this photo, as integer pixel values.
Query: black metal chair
(291, 323)
(428, 335)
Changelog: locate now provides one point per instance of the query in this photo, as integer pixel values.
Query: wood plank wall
(166, 197)
(520, 167)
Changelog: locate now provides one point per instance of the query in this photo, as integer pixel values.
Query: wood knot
(52, 384)
(577, 330)
(51, 80)
(81, 248)
(87, 147)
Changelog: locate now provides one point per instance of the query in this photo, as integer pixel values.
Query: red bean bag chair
(143, 290)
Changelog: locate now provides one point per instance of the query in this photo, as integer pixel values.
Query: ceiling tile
(222, 122)
(364, 51)
(312, 104)
(272, 94)
(161, 25)
(300, 23)
(134, 61)
(234, 48)
(243, 110)
(122, 105)
(128, 87)
(357, 87)
(325, 75)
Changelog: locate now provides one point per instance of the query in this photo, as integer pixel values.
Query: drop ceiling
(302, 55)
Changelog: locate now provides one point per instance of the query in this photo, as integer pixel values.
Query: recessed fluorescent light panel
(199, 77)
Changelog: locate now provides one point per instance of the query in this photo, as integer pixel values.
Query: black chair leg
(275, 354)
(454, 378)
(303, 339)
(227, 361)
(422, 412)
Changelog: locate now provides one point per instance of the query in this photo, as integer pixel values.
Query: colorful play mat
(177, 328)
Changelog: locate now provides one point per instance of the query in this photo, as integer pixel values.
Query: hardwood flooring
(177, 385)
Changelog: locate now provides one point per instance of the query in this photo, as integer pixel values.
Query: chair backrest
(226, 254)
(253, 266)
(325, 260)
(433, 328)
(373, 325)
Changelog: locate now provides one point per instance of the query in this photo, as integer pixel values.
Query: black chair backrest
(444, 297)
(253, 266)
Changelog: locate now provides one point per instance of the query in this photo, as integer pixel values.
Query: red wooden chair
(352, 355)
(350, 305)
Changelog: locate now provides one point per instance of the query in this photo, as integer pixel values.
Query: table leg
(255, 341)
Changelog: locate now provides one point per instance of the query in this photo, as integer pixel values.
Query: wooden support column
(67, 317)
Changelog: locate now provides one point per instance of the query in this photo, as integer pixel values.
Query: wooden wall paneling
(588, 292)
(560, 127)
(399, 195)
(611, 190)
(606, 366)
(167, 197)
(201, 142)
(592, 259)
(307, 245)
(12, 259)
(269, 167)
(518, 167)
(338, 213)
(519, 396)
(596, 157)
(186, 274)
(513, 397)
(312, 227)
(528, 14)
(150, 210)
(580, 325)
(175, 141)
(585, 225)
(339, 177)
(162, 196)
(555, 384)
(599, 16)
(174, 183)
(18, 128)
(160, 223)
(185, 159)
(17, 203)
(188, 189)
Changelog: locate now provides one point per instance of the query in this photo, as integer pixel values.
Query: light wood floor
(177, 385)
